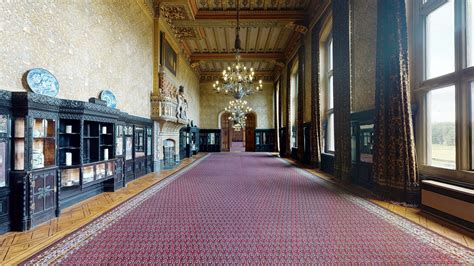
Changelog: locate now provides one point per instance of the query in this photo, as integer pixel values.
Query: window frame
(294, 103)
(328, 74)
(461, 78)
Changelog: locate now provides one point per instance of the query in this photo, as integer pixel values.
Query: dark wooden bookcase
(34, 173)
(5, 149)
(210, 140)
(265, 140)
(56, 152)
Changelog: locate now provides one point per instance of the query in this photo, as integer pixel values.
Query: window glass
(440, 41)
(442, 126)
(470, 32)
(330, 62)
(294, 109)
(472, 123)
(331, 93)
(330, 133)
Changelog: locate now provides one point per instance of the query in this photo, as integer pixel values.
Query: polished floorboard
(17, 246)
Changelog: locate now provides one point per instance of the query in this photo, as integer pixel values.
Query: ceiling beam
(285, 15)
(196, 57)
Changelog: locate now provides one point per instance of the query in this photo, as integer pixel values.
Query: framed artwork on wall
(169, 58)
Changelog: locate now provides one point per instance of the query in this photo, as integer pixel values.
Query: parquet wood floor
(16, 246)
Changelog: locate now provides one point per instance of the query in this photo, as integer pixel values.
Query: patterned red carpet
(252, 209)
(237, 146)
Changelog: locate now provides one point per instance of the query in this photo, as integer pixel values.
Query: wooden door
(226, 132)
(250, 132)
(237, 136)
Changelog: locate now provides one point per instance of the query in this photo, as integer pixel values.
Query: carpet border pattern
(75, 240)
(463, 254)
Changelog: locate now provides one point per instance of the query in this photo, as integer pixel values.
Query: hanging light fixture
(238, 110)
(238, 80)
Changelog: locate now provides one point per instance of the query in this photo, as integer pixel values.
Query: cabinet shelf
(72, 133)
(41, 138)
(69, 148)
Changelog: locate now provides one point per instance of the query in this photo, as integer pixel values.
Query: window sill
(328, 153)
(460, 177)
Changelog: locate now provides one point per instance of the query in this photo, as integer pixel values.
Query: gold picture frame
(169, 58)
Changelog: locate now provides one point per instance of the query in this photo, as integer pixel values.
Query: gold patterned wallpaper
(364, 36)
(213, 104)
(88, 45)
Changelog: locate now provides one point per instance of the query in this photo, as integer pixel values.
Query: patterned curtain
(315, 138)
(342, 90)
(301, 96)
(395, 169)
(288, 111)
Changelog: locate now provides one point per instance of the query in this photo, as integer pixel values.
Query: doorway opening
(238, 140)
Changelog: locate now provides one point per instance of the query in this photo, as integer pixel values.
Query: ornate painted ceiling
(270, 30)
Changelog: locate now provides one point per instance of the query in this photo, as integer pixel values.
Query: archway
(236, 140)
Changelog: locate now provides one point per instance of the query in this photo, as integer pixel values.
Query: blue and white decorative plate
(41, 81)
(109, 97)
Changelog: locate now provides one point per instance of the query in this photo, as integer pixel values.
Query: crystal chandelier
(238, 80)
(238, 110)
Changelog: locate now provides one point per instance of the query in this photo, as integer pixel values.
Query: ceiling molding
(211, 23)
(196, 57)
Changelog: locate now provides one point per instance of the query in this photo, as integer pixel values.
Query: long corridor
(250, 208)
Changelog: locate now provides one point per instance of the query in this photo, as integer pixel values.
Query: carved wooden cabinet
(56, 152)
(210, 140)
(265, 140)
(189, 141)
(5, 148)
(138, 134)
(34, 175)
(362, 127)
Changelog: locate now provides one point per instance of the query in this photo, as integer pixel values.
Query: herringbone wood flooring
(16, 246)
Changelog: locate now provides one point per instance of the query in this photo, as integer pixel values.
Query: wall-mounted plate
(41, 81)
(109, 97)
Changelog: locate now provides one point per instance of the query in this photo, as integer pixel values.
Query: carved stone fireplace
(169, 110)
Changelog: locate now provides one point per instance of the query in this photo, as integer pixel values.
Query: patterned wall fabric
(395, 169)
(342, 91)
(300, 116)
(315, 137)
